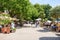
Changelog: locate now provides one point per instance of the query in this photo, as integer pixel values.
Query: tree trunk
(21, 23)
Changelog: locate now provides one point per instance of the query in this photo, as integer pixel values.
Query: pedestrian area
(26, 33)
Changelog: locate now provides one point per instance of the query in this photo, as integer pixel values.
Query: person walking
(36, 23)
(12, 25)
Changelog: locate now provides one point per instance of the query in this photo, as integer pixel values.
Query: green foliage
(21, 9)
(42, 15)
(38, 7)
(13, 29)
(40, 10)
(4, 19)
(3, 14)
(24, 10)
(46, 10)
(55, 12)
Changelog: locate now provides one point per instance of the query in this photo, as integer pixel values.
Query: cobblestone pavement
(30, 34)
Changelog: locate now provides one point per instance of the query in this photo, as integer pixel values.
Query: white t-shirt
(12, 25)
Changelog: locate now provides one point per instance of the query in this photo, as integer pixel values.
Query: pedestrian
(37, 23)
(12, 25)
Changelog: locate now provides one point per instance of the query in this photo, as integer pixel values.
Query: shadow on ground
(44, 30)
(49, 38)
(58, 35)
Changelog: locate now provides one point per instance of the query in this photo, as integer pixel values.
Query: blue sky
(53, 3)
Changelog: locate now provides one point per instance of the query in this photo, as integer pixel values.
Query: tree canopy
(55, 12)
(46, 8)
(21, 9)
(24, 10)
(43, 10)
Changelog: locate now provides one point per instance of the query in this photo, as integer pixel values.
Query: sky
(53, 3)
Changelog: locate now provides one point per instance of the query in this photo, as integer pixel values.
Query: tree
(21, 9)
(55, 12)
(42, 15)
(46, 10)
(40, 10)
(38, 7)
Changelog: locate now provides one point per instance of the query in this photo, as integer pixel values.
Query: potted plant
(13, 30)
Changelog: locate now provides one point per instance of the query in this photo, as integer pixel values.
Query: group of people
(53, 25)
(7, 28)
(56, 26)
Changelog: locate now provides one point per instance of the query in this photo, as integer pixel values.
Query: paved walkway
(30, 34)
